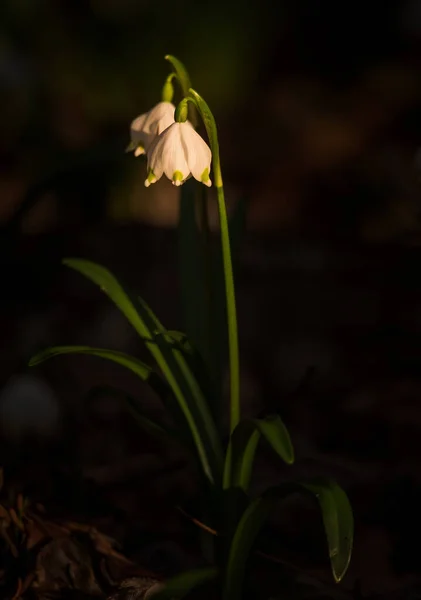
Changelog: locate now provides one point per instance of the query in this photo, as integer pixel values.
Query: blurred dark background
(318, 105)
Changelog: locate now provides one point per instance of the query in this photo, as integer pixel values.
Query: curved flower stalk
(180, 153)
(148, 126)
(211, 130)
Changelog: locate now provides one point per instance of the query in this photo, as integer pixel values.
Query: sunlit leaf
(240, 455)
(199, 405)
(276, 434)
(243, 444)
(169, 359)
(338, 522)
(129, 362)
(137, 366)
(337, 518)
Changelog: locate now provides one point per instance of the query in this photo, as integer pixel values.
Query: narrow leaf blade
(105, 280)
(276, 434)
(337, 517)
(163, 352)
(240, 455)
(242, 542)
(199, 405)
(243, 445)
(338, 522)
(133, 364)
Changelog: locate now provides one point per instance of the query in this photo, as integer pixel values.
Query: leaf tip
(339, 575)
(70, 262)
(340, 570)
(290, 460)
(36, 359)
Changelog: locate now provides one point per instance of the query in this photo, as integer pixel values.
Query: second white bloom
(145, 128)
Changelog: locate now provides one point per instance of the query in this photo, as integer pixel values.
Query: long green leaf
(240, 455)
(338, 522)
(242, 542)
(108, 284)
(194, 360)
(226, 510)
(276, 434)
(137, 366)
(337, 518)
(179, 586)
(243, 445)
(200, 407)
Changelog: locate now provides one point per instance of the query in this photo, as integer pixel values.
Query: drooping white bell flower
(145, 128)
(179, 152)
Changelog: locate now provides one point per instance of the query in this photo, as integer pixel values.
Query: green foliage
(202, 286)
(171, 362)
(338, 522)
(337, 518)
(179, 388)
(243, 445)
(187, 375)
(138, 367)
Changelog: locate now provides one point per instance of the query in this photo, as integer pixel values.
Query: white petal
(159, 118)
(146, 127)
(154, 153)
(138, 123)
(167, 153)
(175, 155)
(199, 154)
(136, 129)
(165, 117)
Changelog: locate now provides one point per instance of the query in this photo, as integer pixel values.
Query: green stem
(231, 310)
(234, 361)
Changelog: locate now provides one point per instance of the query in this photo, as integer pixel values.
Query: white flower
(179, 152)
(145, 128)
